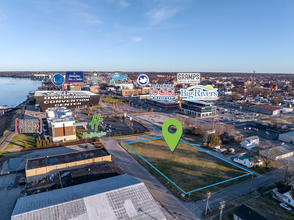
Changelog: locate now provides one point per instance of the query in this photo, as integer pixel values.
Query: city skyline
(146, 36)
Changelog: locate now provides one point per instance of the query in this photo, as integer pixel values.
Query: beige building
(46, 166)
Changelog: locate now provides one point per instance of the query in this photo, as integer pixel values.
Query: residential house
(250, 142)
(284, 193)
(248, 160)
(246, 213)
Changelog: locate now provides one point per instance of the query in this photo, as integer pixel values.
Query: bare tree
(267, 153)
(287, 171)
(151, 110)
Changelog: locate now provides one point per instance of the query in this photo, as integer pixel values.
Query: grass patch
(187, 167)
(267, 188)
(262, 169)
(268, 204)
(133, 135)
(113, 100)
(17, 143)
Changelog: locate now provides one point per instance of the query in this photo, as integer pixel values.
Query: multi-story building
(61, 124)
(165, 104)
(198, 108)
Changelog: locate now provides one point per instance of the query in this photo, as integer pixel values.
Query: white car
(283, 205)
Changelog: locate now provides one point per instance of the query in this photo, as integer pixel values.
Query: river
(14, 91)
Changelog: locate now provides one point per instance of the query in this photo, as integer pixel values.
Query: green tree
(44, 143)
(37, 144)
(130, 132)
(0, 154)
(136, 132)
(25, 144)
(141, 131)
(119, 133)
(114, 134)
(125, 133)
(47, 141)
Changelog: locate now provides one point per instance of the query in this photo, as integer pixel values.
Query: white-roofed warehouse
(120, 197)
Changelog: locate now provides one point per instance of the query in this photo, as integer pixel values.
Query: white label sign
(193, 78)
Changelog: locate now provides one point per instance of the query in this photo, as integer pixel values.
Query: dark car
(22, 180)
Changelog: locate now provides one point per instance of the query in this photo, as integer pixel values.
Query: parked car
(22, 180)
(231, 150)
(115, 120)
(283, 205)
(216, 148)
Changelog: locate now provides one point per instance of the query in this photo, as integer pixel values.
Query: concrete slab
(15, 162)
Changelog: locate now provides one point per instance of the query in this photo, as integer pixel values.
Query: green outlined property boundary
(249, 172)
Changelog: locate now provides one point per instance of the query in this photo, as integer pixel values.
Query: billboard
(190, 78)
(161, 92)
(74, 76)
(199, 92)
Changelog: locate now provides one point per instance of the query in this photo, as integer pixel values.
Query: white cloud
(123, 3)
(159, 14)
(137, 39)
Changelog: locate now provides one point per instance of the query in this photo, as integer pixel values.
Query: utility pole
(251, 183)
(222, 206)
(207, 205)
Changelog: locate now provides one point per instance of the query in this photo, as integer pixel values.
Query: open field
(7, 123)
(187, 167)
(16, 144)
(113, 100)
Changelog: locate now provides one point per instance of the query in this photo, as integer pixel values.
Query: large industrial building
(46, 166)
(121, 197)
(269, 109)
(69, 99)
(287, 137)
(61, 124)
(164, 104)
(198, 108)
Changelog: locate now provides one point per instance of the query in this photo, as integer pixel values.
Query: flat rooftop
(268, 107)
(64, 158)
(198, 102)
(64, 93)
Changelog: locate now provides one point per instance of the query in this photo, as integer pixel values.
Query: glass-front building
(198, 108)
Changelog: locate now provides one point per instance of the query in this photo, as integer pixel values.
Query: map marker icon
(172, 140)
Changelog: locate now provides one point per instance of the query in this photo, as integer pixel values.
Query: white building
(277, 153)
(61, 124)
(287, 137)
(247, 160)
(284, 194)
(250, 142)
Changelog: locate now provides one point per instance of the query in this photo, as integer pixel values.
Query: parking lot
(115, 125)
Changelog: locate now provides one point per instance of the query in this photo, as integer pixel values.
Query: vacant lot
(187, 167)
(113, 100)
(17, 143)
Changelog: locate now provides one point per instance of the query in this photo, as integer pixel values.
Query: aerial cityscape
(160, 110)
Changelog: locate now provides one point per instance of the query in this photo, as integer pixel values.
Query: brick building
(61, 124)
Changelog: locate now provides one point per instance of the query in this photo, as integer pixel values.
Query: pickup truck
(222, 150)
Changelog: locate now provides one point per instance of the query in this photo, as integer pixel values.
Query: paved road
(159, 191)
(236, 191)
(7, 140)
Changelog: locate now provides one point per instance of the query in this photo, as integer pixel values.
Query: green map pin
(172, 140)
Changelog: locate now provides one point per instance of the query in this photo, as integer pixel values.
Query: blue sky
(147, 35)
